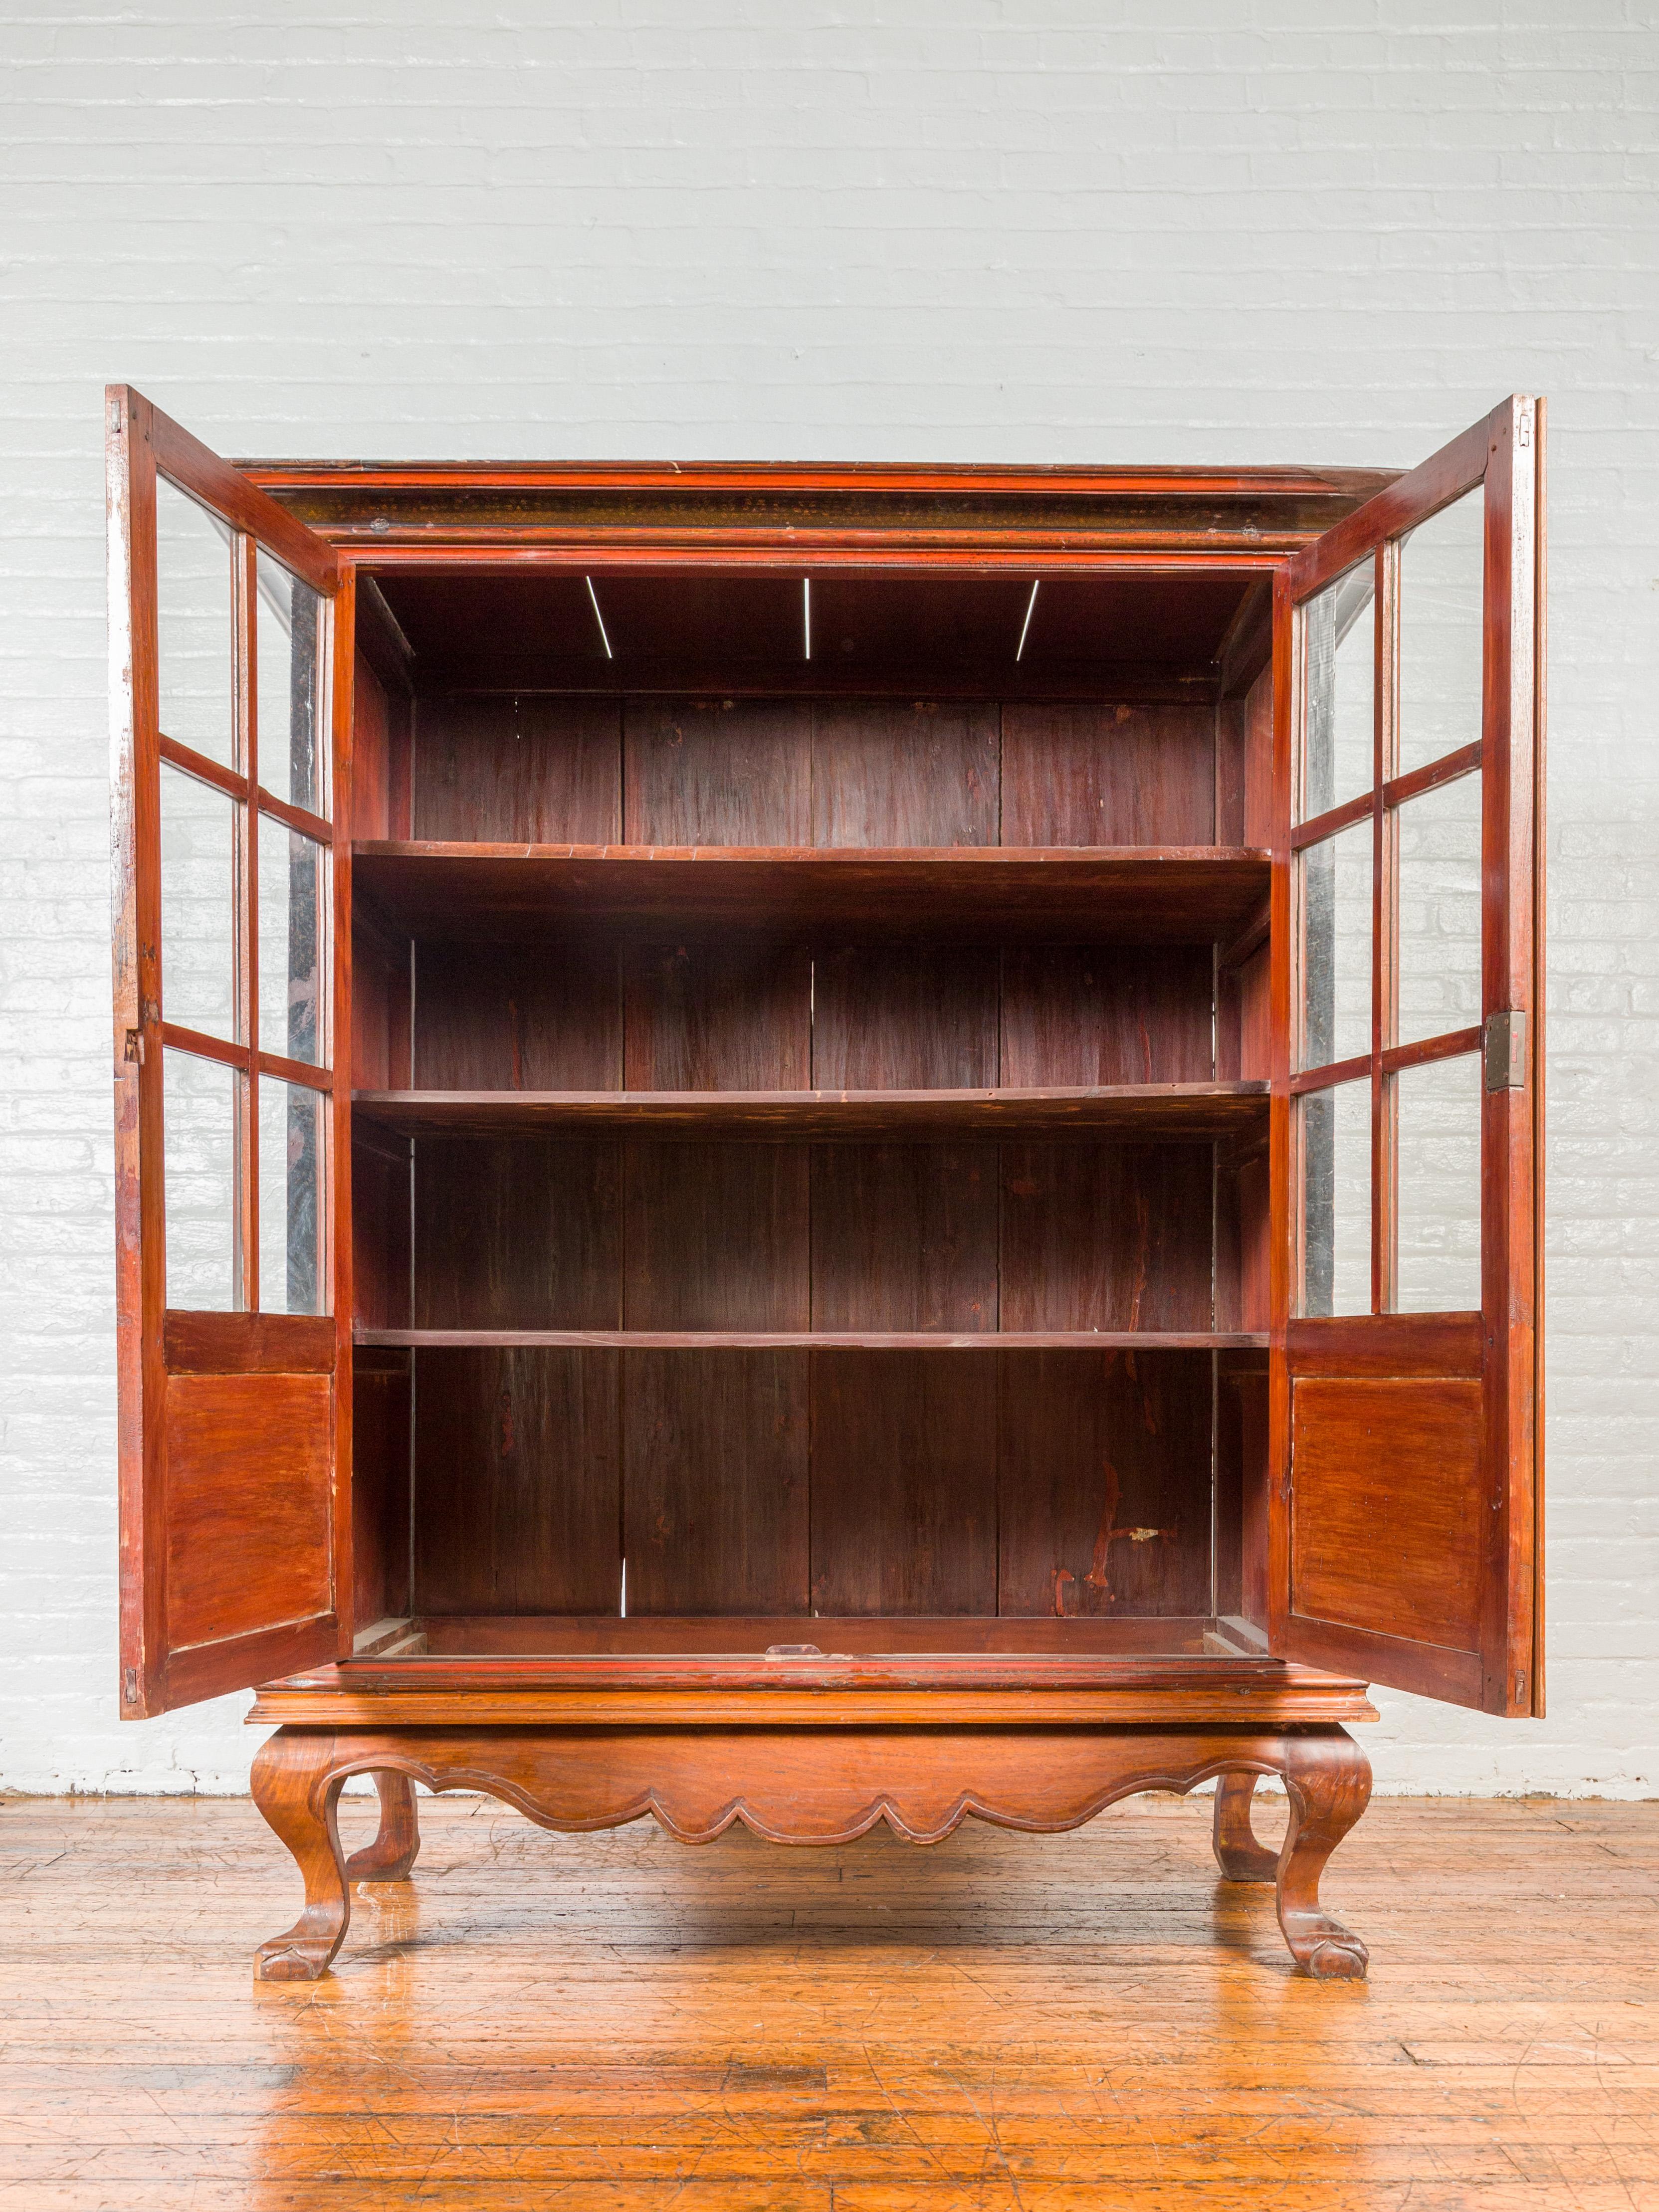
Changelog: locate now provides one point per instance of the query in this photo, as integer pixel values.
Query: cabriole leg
(293, 1790)
(1328, 1780)
(1237, 1853)
(394, 1849)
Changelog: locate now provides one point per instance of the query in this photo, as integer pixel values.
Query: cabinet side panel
(1104, 1014)
(535, 770)
(507, 1016)
(717, 772)
(1104, 1483)
(715, 1482)
(905, 772)
(904, 1018)
(903, 1483)
(1106, 1236)
(381, 980)
(517, 1233)
(1108, 774)
(1258, 761)
(518, 1471)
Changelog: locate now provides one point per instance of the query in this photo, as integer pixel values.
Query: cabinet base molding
(810, 1785)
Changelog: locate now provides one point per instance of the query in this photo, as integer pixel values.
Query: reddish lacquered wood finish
(792, 925)
(234, 1443)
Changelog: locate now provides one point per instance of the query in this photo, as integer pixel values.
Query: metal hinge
(1505, 1049)
(130, 1684)
(136, 1046)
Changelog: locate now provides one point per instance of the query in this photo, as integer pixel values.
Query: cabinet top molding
(661, 506)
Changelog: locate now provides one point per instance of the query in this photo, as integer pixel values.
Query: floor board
(609, 2021)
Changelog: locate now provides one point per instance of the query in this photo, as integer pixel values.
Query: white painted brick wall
(1153, 230)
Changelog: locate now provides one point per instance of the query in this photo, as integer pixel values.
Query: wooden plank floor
(598, 2022)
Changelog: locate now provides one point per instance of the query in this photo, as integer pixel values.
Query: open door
(236, 1523)
(1405, 1521)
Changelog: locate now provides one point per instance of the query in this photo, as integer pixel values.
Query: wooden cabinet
(810, 1144)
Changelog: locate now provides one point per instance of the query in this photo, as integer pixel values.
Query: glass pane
(197, 662)
(1441, 566)
(1336, 947)
(293, 899)
(198, 1157)
(291, 1271)
(1339, 670)
(1440, 910)
(198, 904)
(1439, 1203)
(288, 648)
(1336, 1199)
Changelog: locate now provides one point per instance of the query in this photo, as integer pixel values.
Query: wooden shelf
(1164, 1112)
(1073, 894)
(736, 1339)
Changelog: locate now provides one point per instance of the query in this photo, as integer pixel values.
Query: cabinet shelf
(738, 1340)
(1128, 894)
(1161, 1112)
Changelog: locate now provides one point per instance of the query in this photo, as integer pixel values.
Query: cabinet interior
(770, 1205)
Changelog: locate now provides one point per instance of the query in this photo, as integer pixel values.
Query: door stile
(244, 613)
(1284, 1168)
(1539, 884)
(1385, 901)
(135, 895)
(1509, 951)
(337, 1196)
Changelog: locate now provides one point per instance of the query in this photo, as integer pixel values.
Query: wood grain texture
(1105, 1236)
(718, 1014)
(914, 772)
(381, 1182)
(812, 1786)
(716, 1237)
(381, 1410)
(250, 1468)
(904, 1237)
(1103, 1483)
(515, 1017)
(906, 1018)
(1386, 1529)
(1502, 2051)
(533, 770)
(1090, 1014)
(1178, 895)
(1108, 775)
(715, 1482)
(1176, 1112)
(904, 1478)
(528, 1232)
(717, 772)
(517, 1458)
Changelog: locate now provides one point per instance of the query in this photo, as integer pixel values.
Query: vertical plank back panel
(717, 772)
(715, 1481)
(904, 1483)
(518, 1481)
(535, 770)
(901, 772)
(718, 1014)
(1104, 1483)
(513, 1017)
(1106, 1236)
(904, 1018)
(517, 1233)
(1108, 775)
(904, 1237)
(1104, 1014)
